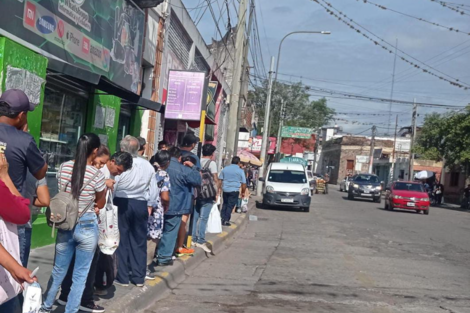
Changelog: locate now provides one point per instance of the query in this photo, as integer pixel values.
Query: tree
(299, 109)
(446, 137)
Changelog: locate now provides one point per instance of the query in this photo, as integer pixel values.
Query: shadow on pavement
(398, 211)
(259, 205)
(358, 199)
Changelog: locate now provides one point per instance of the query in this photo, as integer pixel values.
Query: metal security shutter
(200, 62)
(178, 40)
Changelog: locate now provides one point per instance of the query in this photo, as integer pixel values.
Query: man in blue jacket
(182, 178)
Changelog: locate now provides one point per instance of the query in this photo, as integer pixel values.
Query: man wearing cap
(189, 143)
(21, 150)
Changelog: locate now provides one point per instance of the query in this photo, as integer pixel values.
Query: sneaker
(61, 302)
(184, 251)
(226, 224)
(91, 307)
(139, 285)
(149, 276)
(120, 284)
(101, 292)
(204, 247)
(169, 263)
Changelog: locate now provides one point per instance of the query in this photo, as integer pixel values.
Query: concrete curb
(168, 278)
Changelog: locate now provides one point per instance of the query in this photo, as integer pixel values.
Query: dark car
(365, 186)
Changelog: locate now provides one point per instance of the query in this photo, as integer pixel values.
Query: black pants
(87, 296)
(105, 266)
(230, 201)
(132, 251)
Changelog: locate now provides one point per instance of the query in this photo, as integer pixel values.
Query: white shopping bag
(32, 298)
(244, 205)
(9, 288)
(108, 240)
(214, 224)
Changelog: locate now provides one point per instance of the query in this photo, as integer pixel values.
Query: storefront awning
(103, 84)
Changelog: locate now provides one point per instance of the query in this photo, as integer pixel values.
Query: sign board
(293, 160)
(185, 95)
(362, 159)
(101, 36)
(296, 132)
(256, 145)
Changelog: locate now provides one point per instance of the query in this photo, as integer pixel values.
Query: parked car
(287, 185)
(406, 195)
(365, 186)
(344, 184)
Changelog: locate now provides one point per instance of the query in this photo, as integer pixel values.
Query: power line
(431, 71)
(448, 5)
(453, 29)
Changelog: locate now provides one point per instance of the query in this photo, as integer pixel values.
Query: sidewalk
(132, 299)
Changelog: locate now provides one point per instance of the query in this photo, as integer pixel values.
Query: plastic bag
(9, 288)
(214, 224)
(108, 240)
(32, 298)
(244, 205)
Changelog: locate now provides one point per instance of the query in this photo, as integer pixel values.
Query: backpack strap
(207, 165)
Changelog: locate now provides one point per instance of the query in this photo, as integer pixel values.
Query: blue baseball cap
(17, 100)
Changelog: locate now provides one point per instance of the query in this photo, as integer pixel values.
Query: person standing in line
(189, 144)
(87, 185)
(142, 146)
(182, 178)
(204, 206)
(132, 195)
(161, 205)
(162, 145)
(231, 179)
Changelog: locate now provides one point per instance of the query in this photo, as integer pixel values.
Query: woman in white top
(83, 239)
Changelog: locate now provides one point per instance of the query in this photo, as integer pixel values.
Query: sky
(347, 62)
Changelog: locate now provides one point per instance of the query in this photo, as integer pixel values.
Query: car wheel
(350, 196)
(306, 209)
(426, 212)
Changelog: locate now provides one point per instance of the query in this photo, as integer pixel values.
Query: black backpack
(208, 188)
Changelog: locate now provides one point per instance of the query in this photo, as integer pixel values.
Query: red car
(407, 195)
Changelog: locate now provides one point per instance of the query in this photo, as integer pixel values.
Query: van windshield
(287, 176)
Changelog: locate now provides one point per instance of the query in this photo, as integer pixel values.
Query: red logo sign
(61, 29)
(30, 14)
(86, 45)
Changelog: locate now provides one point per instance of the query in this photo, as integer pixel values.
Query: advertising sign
(296, 132)
(185, 95)
(257, 142)
(101, 36)
(293, 160)
(362, 159)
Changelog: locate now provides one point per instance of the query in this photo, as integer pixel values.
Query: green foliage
(300, 110)
(446, 137)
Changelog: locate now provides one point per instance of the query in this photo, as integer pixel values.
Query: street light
(278, 146)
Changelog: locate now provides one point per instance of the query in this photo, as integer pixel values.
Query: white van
(287, 185)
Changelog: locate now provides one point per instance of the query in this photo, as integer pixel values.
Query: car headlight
(355, 185)
(270, 189)
(423, 199)
(378, 187)
(397, 197)
(305, 191)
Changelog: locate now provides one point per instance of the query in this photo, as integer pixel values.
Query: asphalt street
(343, 256)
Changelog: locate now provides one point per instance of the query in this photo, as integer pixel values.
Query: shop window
(124, 122)
(402, 174)
(454, 179)
(63, 122)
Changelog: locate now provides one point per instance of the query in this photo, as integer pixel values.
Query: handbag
(109, 235)
(9, 288)
(214, 224)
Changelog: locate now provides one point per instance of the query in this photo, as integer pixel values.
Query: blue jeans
(230, 201)
(166, 247)
(200, 218)
(83, 241)
(24, 236)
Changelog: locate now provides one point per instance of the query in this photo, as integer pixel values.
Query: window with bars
(200, 62)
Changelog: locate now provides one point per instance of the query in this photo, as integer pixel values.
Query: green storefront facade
(66, 110)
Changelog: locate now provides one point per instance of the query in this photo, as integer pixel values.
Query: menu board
(185, 91)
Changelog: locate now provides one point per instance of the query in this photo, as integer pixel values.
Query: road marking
(222, 234)
(233, 226)
(158, 279)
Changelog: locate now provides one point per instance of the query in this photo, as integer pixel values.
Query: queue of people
(155, 201)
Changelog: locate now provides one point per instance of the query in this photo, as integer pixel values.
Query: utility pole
(244, 73)
(315, 168)
(413, 138)
(265, 142)
(282, 115)
(233, 128)
(392, 170)
(372, 147)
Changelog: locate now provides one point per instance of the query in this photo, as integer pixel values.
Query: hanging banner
(101, 36)
(185, 95)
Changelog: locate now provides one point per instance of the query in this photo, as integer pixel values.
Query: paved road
(343, 256)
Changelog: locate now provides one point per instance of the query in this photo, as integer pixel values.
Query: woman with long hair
(83, 239)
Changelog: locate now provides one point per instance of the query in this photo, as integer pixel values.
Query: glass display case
(63, 122)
